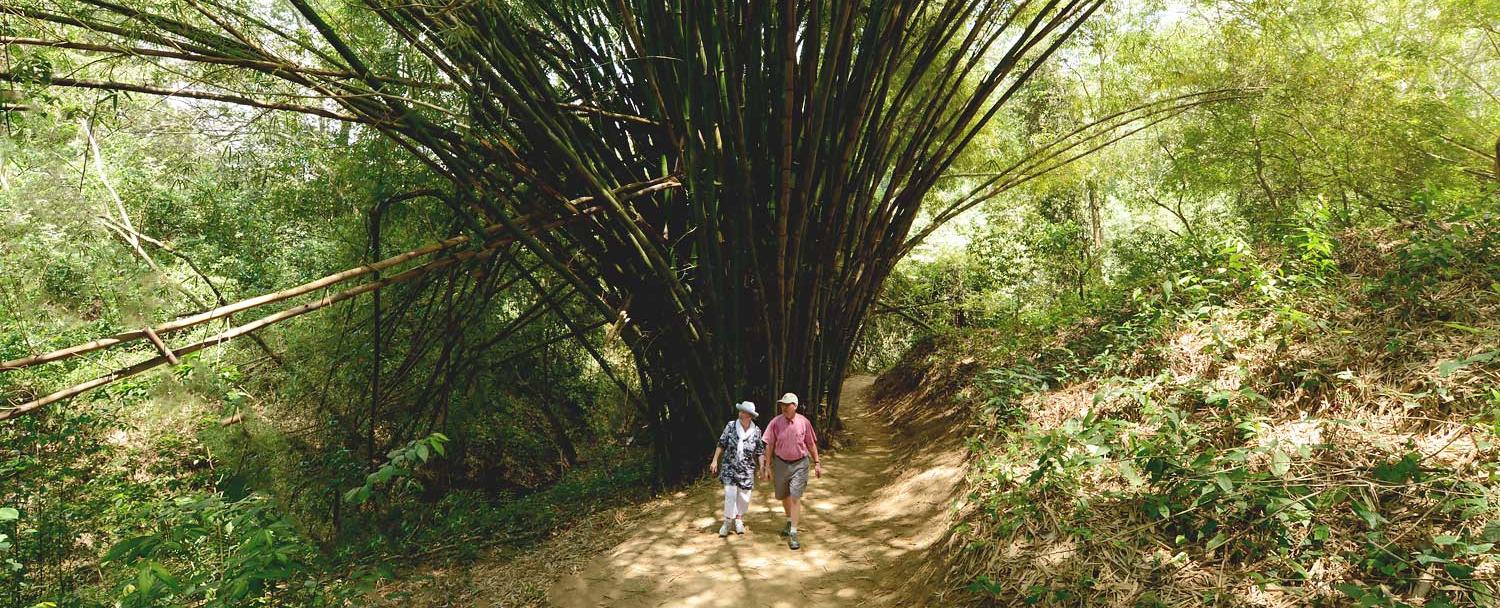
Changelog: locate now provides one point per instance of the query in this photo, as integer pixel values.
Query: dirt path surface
(865, 529)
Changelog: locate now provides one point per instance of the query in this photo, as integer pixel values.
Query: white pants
(736, 501)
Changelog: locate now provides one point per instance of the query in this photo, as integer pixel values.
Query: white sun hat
(746, 407)
(788, 398)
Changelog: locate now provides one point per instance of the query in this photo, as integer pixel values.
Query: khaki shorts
(790, 478)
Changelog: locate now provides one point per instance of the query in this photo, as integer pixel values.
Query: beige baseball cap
(788, 398)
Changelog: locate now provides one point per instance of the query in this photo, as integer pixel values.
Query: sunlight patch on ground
(865, 515)
(1298, 433)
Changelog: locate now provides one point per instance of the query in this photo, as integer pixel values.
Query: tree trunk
(565, 449)
(695, 382)
(738, 179)
(1096, 221)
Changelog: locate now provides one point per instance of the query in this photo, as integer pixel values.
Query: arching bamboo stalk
(282, 295)
(801, 137)
(245, 329)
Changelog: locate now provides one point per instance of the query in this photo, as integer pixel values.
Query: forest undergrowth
(1308, 425)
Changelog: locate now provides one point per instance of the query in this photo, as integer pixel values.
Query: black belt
(789, 461)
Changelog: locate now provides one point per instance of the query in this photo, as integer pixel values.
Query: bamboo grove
(728, 183)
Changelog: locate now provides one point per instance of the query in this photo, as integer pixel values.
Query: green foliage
(271, 444)
(401, 463)
(56, 482)
(1202, 464)
(1007, 385)
(1262, 276)
(9, 521)
(208, 551)
(1442, 247)
(1341, 202)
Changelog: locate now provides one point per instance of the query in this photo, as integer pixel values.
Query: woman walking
(734, 462)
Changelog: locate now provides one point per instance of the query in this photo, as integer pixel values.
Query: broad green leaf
(1401, 471)
(1281, 463)
(357, 495)
(1461, 327)
(1353, 591)
(144, 582)
(1447, 368)
(1462, 572)
(161, 574)
(1129, 472)
(1371, 516)
(127, 548)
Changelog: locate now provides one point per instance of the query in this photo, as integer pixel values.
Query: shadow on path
(866, 525)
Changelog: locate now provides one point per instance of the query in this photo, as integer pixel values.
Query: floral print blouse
(737, 465)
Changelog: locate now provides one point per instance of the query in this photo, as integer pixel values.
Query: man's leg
(796, 482)
(793, 510)
(780, 477)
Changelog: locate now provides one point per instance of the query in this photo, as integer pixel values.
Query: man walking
(789, 443)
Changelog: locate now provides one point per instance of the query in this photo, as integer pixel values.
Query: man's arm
(768, 438)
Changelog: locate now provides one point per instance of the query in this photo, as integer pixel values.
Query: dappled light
(869, 523)
(470, 303)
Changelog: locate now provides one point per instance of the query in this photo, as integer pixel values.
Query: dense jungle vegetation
(1217, 281)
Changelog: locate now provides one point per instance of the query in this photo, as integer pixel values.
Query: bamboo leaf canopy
(753, 169)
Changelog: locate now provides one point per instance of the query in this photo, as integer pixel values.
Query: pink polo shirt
(790, 441)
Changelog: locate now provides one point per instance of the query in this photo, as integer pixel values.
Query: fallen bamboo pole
(296, 311)
(243, 305)
(230, 309)
(168, 355)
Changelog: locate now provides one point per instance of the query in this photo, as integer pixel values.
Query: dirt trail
(866, 526)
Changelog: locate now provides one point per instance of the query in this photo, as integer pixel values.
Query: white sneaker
(724, 529)
(739, 526)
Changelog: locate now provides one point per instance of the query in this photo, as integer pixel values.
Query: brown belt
(804, 457)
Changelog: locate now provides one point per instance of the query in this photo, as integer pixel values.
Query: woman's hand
(713, 467)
